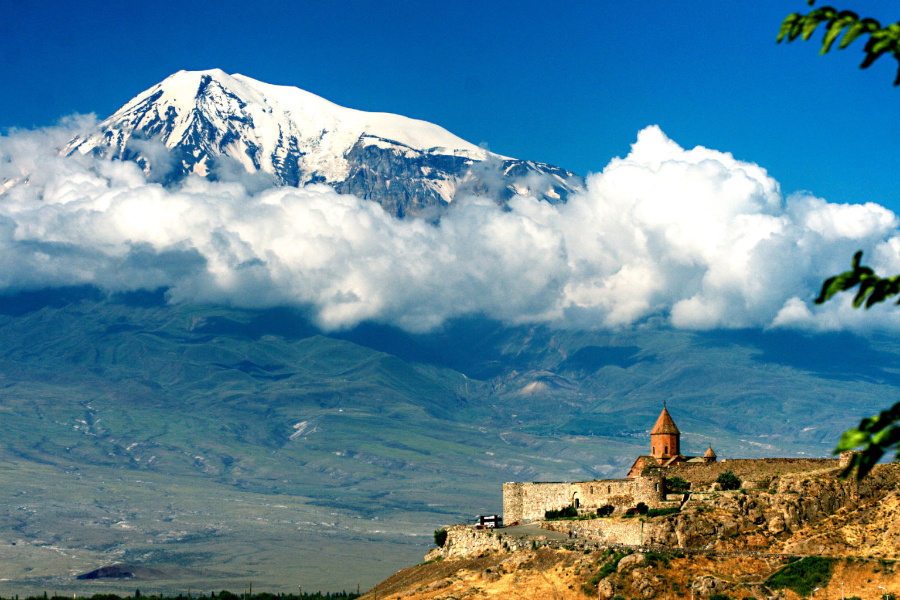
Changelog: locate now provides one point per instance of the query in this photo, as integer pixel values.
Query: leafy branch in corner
(882, 40)
(876, 435)
(879, 433)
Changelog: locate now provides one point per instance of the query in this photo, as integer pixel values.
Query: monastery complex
(646, 480)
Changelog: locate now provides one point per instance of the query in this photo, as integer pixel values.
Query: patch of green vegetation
(677, 484)
(579, 517)
(659, 557)
(440, 537)
(803, 576)
(563, 513)
(608, 567)
(728, 480)
(720, 597)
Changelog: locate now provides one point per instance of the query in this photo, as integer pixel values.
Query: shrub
(605, 511)
(563, 513)
(729, 481)
(440, 537)
(656, 557)
(642, 508)
(803, 576)
(677, 484)
(608, 568)
(720, 597)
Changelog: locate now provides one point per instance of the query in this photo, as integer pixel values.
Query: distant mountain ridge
(404, 164)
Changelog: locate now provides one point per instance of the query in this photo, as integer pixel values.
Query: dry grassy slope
(566, 575)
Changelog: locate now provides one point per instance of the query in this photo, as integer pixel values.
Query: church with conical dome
(648, 480)
(665, 448)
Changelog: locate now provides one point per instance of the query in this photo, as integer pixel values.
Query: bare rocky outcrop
(707, 585)
(607, 588)
(630, 561)
(790, 504)
(645, 583)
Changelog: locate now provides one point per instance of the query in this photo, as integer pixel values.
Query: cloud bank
(694, 237)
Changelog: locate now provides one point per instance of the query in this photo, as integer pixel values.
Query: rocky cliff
(792, 514)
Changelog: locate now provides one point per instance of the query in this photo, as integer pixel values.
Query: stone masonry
(701, 475)
(528, 501)
(627, 532)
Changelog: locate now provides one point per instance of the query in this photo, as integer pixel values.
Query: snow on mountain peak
(300, 138)
(272, 116)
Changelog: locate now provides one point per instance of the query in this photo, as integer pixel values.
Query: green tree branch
(878, 434)
(881, 40)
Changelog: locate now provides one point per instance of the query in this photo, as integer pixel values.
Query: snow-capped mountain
(404, 164)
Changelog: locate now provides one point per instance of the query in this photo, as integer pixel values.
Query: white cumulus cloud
(695, 237)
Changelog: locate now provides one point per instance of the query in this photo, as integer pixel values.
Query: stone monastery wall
(702, 475)
(529, 501)
(626, 532)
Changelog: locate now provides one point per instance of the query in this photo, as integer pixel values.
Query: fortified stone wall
(529, 501)
(701, 475)
(607, 531)
(464, 541)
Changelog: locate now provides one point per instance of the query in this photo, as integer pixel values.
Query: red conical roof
(664, 424)
(709, 453)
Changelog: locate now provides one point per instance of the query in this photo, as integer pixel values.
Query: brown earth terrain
(568, 575)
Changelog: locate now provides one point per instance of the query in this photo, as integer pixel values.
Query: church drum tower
(665, 439)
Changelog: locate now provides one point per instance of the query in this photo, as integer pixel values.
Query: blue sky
(569, 83)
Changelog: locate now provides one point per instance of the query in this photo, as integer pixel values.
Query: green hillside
(170, 435)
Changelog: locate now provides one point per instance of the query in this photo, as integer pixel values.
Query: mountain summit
(208, 119)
